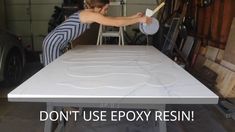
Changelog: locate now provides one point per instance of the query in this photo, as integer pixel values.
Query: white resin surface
(140, 73)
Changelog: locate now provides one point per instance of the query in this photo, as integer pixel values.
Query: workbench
(123, 76)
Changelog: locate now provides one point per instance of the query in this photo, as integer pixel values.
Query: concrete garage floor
(20, 117)
(24, 117)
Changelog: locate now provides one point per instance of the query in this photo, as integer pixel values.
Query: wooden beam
(215, 21)
(228, 65)
(230, 47)
(226, 22)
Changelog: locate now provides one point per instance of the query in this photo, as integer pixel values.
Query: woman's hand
(145, 19)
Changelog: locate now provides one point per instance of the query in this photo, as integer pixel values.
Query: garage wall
(29, 19)
(134, 6)
(2, 15)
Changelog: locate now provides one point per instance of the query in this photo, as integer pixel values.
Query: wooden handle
(158, 8)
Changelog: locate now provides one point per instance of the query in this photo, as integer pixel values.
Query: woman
(77, 23)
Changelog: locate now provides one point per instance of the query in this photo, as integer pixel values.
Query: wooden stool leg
(122, 36)
(99, 35)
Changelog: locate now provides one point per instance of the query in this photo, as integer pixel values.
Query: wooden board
(225, 81)
(220, 56)
(211, 53)
(228, 65)
(215, 21)
(230, 47)
(214, 54)
(226, 23)
(207, 21)
(199, 62)
(200, 22)
(233, 8)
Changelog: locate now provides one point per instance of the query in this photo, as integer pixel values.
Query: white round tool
(152, 28)
(149, 29)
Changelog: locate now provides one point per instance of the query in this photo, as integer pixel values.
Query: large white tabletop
(113, 74)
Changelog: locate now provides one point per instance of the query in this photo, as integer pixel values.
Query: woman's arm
(90, 17)
(139, 14)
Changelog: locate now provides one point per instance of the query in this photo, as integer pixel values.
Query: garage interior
(197, 34)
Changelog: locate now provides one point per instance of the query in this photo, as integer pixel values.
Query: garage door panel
(137, 8)
(17, 2)
(115, 11)
(20, 28)
(46, 1)
(141, 1)
(38, 43)
(33, 1)
(42, 12)
(17, 12)
(39, 27)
